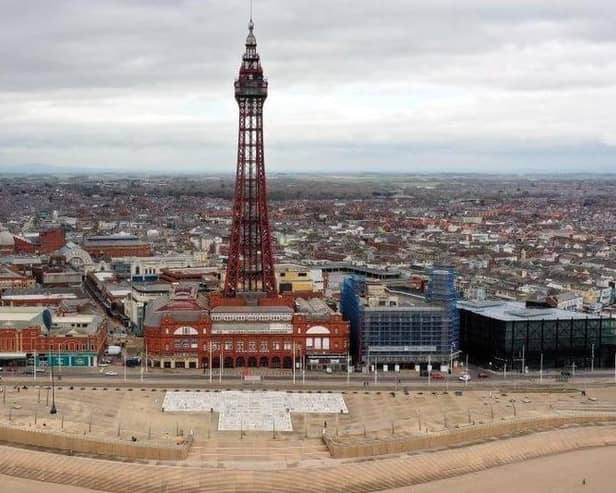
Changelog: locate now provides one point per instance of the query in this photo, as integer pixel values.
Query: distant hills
(47, 169)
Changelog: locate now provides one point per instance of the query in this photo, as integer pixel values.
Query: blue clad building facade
(391, 328)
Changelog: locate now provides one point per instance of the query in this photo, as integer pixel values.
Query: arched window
(318, 329)
(185, 331)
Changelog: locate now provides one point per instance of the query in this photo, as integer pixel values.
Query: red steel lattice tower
(250, 266)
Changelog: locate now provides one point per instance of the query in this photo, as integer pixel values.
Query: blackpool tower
(250, 266)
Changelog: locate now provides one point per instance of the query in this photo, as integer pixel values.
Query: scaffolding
(442, 289)
(351, 308)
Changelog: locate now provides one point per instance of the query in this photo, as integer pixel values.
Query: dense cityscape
(527, 239)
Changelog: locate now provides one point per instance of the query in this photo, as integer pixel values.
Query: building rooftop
(75, 325)
(7, 273)
(113, 240)
(152, 287)
(21, 316)
(252, 309)
(514, 311)
(313, 306)
(42, 293)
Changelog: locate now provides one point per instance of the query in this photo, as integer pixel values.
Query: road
(269, 378)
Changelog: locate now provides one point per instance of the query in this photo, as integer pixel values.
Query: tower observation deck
(250, 267)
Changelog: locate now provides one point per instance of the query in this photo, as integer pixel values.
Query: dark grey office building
(502, 333)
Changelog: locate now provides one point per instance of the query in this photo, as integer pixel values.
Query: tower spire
(250, 266)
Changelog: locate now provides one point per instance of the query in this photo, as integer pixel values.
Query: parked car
(111, 373)
(437, 375)
(465, 377)
(483, 374)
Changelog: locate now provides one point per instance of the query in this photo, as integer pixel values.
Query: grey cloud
(107, 79)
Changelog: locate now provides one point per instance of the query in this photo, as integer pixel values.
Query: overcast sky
(354, 85)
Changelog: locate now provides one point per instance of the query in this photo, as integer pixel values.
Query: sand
(18, 485)
(563, 473)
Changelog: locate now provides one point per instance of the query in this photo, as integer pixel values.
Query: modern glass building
(508, 333)
(388, 329)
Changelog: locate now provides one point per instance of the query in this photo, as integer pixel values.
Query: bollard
(62, 423)
(469, 417)
(118, 429)
(35, 416)
(39, 396)
(90, 425)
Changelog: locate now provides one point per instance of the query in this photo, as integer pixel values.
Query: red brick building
(186, 330)
(46, 242)
(75, 340)
(11, 279)
(114, 246)
(52, 297)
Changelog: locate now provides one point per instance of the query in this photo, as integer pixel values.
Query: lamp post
(293, 347)
(53, 409)
(592, 359)
(348, 367)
